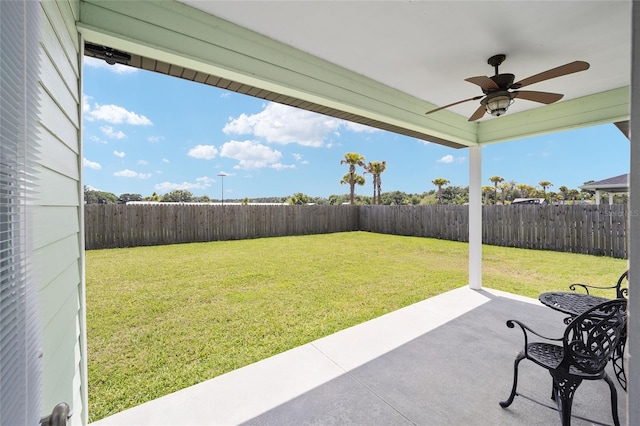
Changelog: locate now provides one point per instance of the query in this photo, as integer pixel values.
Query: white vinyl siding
(57, 216)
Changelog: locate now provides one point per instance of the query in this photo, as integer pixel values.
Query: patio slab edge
(245, 393)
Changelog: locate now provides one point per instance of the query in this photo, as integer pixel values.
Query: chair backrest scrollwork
(622, 286)
(591, 338)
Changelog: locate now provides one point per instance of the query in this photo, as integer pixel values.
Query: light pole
(222, 175)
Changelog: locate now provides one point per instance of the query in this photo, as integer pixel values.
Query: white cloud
(164, 160)
(101, 64)
(155, 139)
(142, 163)
(282, 124)
(85, 103)
(119, 154)
(115, 114)
(359, 128)
(299, 159)
(250, 154)
(131, 174)
(112, 133)
(280, 166)
(200, 183)
(91, 164)
(94, 138)
(206, 152)
(205, 181)
(450, 159)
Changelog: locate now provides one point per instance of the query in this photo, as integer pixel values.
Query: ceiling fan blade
(478, 114)
(484, 82)
(569, 68)
(475, 98)
(542, 97)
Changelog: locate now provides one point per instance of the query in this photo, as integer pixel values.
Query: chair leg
(505, 404)
(565, 389)
(614, 399)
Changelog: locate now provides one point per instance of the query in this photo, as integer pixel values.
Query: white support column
(597, 197)
(633, 373)
(475, 217)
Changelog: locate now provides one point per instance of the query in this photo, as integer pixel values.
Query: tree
(352, 180)
(573, 195)
(353, 159)
(202, 199)
(496, 180)
(504, 187)
(565, 193)
(524, 189)
(124, 198)
(92, 196)
(178, 196)
(376, 168)
(487, 190)
(545, 184)
(440, 182)
(455, 195)
(153, 197)
(299, 198)
(395, 198)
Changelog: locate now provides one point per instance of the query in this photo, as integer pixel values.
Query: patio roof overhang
(187, 41)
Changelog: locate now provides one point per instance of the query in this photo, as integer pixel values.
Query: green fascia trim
(601, 108)
(178, 34)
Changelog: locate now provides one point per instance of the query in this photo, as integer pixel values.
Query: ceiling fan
(500, 90)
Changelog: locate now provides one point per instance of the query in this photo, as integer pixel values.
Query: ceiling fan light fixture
(498, 89)
(498, 105)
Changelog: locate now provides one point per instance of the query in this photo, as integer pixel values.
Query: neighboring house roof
(612, 184)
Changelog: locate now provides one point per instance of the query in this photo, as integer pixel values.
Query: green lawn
(166, 317)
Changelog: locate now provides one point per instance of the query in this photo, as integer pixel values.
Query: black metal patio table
(574, 304)
(570, 303)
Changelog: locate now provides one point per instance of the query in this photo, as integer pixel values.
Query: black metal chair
(585, 349)
(621, 287)
(622, 291)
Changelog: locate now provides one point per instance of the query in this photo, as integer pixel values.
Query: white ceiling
(428, 48)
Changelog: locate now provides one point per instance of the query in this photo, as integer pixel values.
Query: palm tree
(565, 193)
(352, 180)
(524, 189)
(496, 180)
(486, 190)
(573, 194)
(545, 184)
(376, 168)
(353, 159)
(504, 187)
(440, 182)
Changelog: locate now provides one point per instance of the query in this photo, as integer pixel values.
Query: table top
(569, 302)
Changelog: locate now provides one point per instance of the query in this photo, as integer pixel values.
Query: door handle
(58, 417)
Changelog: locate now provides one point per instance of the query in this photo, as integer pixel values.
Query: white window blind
(19, 335)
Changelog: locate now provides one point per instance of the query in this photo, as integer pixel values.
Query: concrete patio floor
(447, 360)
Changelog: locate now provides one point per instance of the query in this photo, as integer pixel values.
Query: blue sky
(146, 132)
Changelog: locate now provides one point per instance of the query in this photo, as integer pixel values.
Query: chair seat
(550, 356)
(589, 341)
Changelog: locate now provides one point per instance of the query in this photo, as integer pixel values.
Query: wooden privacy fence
(119, 225)
(588, 229)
